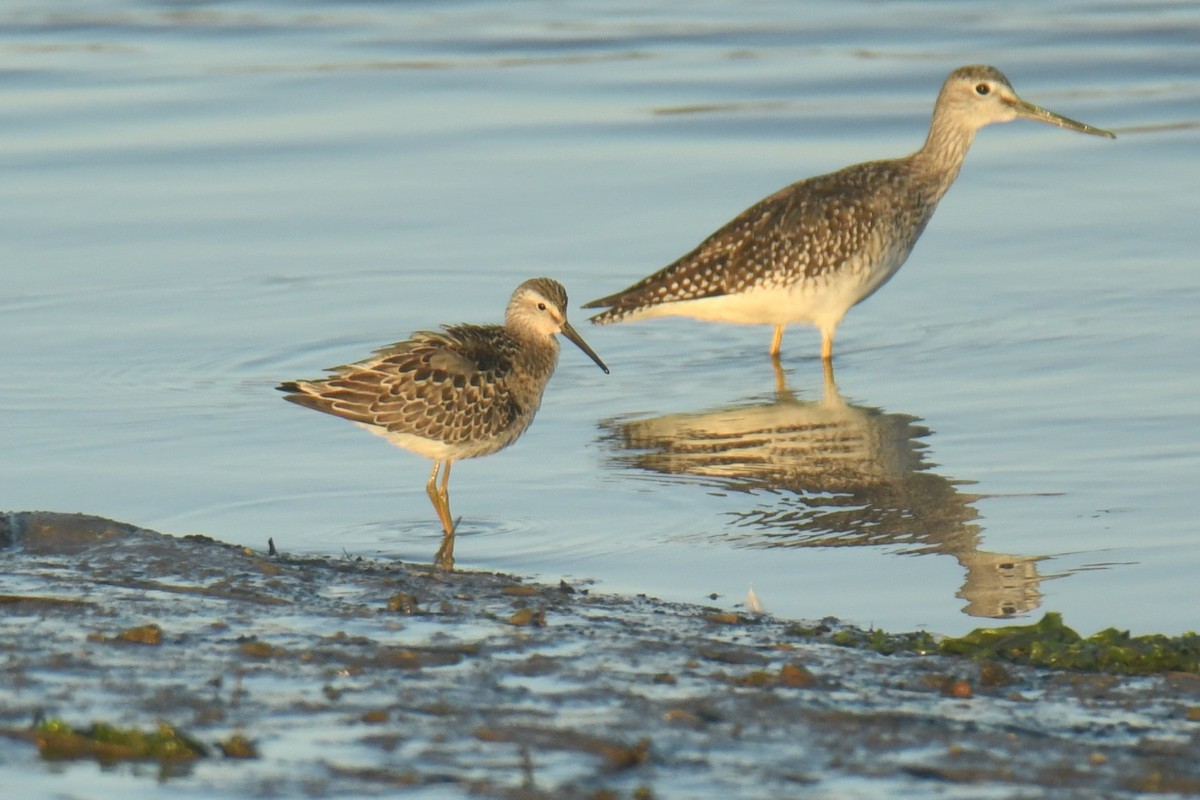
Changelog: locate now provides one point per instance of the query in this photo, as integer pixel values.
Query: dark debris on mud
(345, 677)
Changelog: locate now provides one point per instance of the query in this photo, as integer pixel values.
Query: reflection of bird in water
(833, 475)
(465, 392)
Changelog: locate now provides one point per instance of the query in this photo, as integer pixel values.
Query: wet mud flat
(346, 677)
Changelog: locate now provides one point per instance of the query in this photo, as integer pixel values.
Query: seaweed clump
(103, 742)
(1047, 643)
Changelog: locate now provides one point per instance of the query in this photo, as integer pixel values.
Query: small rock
(526, 616)
(993, 674)
(143, 634)
(403, 603)
(796, 675)
(238, 746)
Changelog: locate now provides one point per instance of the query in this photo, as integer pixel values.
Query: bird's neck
(941, 157)
(538, 355)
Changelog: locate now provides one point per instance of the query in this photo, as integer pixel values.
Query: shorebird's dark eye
(541, 306)
(983, 89)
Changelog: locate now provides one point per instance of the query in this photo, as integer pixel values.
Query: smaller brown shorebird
(813, 250)
(463, 392)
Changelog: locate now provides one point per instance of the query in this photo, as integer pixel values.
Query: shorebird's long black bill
(1030, 111)
(574, 336)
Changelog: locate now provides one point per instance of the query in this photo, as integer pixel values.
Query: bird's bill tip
(1030, 111)
(578, 341)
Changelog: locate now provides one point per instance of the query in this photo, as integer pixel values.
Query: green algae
(58, 740)
(1047, 643)
(1050, 643)
(885, 643)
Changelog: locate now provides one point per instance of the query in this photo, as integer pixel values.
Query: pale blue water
(202, 200)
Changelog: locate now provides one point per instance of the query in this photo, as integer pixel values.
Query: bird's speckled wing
(418, 386)
(799, 233)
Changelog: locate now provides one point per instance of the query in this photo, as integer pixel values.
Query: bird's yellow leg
(830, 384)
(440, 497)
(826, 346)
(444, 493)
(444, 559)
(780, 379)
(777, 340)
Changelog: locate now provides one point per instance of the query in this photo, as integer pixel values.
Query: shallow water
(204, 200)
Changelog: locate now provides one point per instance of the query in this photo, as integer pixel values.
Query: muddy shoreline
(349, 677)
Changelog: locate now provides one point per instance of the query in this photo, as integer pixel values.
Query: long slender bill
(571, 334)
(1030, 111)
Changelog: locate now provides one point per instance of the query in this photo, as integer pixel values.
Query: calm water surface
(204, 199)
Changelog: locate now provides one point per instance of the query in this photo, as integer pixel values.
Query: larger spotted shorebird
(463, 392)
(813, 250)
